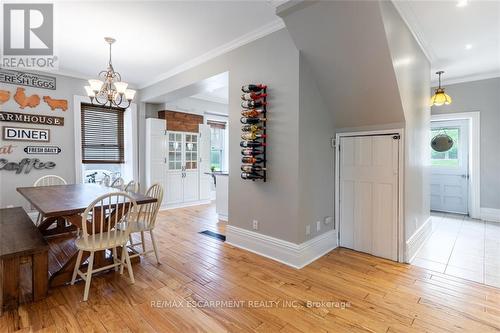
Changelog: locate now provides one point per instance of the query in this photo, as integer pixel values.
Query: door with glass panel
(183, 176)
(450, 168)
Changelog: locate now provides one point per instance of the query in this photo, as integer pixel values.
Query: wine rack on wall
(253, 132)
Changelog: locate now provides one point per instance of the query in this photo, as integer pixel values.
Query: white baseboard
(222, 217)
(291, 254)
(415, 242)
(490, 214)
(185, 204)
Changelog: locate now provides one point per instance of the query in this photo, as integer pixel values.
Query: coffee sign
(42, 150)
(26, 165)
(31, 119)
(27, 79)
(25, 134)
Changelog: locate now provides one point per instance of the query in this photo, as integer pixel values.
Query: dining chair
(100, 233)
(118, 183)
(145, 222)
(132, 186)
(49, 180)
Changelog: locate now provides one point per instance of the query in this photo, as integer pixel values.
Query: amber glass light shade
(440, 98)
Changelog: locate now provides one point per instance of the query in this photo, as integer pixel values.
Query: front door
(450, 175)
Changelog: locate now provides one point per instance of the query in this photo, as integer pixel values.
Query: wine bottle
(252, 136)
(251, 128)
(252, 112)
(244, 120)
(253, 88)
(251, 152)
(247, 175)
(252, 104)
(252, 96)
(251, 159)
(252, 144)
(252, 168)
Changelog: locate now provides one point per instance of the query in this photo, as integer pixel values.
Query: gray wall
(482, 96)
(272, 60)
(60, 136)
(316, 155)
(413, 81)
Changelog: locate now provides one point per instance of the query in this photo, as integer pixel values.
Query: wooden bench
(20, 240)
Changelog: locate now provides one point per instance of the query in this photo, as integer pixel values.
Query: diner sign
(31, 118)
(25, 134)
(43, 150)
(27, 79)
(26, 165)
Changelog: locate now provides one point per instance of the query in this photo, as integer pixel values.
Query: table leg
(60, 228)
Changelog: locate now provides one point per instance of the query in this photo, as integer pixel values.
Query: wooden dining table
(61, 207)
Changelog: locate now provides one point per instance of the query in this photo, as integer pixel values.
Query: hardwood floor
(361, 293)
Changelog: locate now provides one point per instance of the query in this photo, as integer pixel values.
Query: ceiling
(154, 38)
(460, 37)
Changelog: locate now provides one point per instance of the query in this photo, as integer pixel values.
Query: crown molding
(468, 78)
(265, 30)
(408, 15)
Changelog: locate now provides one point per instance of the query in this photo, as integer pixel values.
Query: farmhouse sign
(46, 150)
(27, 79)
(31, 119)
(26, 165)
(25, 134)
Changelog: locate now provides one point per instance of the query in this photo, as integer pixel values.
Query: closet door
(175, 166)
(191, 167)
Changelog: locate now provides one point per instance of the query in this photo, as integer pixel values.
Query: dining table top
(64, 200)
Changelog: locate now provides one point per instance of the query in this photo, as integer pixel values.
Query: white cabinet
(174, 159)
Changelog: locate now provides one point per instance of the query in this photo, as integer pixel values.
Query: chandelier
(109, 90)
(440, 97)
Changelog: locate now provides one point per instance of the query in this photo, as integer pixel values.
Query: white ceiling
(154, 38)
(444, 29)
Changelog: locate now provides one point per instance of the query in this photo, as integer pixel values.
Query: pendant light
(440, 97)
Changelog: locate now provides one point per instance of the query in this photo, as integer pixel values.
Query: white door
(191, 168)
(204, 161)
(450, 176)
(175, 192)
(369, 192)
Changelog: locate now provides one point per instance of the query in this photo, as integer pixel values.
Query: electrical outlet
(308, 229)
(318, 225)
(255, 225)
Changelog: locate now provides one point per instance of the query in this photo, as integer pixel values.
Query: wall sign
(6, 149)
(4, 96)
(25, 134)
(45, 150)
(23, 100)
(56, 103)
(31, 119)
(26, 165)
(27, 79)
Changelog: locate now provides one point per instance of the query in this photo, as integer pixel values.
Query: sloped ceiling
(345, 45)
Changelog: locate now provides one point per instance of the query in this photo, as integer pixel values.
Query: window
(217, 144)
(102, 135)
(448, 158)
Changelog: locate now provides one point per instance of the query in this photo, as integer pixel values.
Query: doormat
(213, 235)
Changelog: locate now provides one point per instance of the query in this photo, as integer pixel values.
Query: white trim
(290, 254)
(186, 204)
(490, 214)
(468, 78)
(417, 240)
(400, 131)
(232, 45)
(223, 217)
(474, 156)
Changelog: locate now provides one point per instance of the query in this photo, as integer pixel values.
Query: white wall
(482, 96)
(413, 79)
(62, 136)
